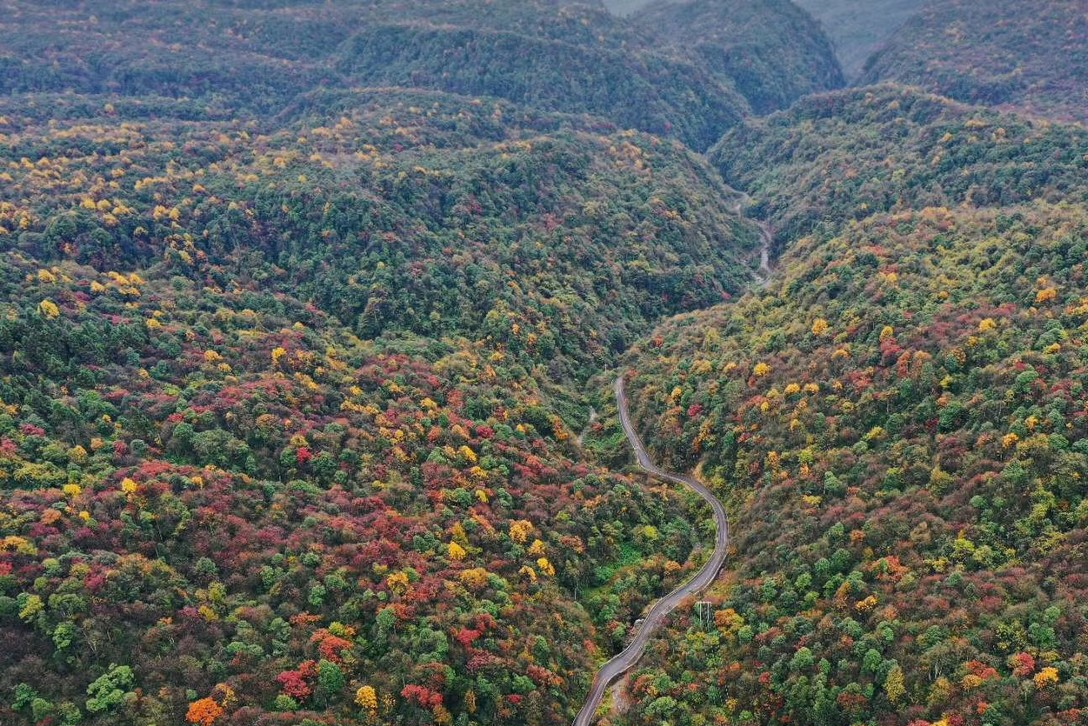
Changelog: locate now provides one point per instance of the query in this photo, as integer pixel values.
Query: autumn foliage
(204, 712)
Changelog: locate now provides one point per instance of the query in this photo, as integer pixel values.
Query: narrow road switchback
(661, 609)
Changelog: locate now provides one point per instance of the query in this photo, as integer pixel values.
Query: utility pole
(704, 612)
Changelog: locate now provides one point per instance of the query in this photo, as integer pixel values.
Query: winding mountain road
(763, 276)
(656, 617)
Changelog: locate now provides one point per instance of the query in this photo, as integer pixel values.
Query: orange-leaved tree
(204, 712)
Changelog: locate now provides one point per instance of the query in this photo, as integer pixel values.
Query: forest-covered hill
(1025, 55)
(856, 29)
(898, 424)
(222, 505)
(846, 155)
(256, 58)
(309, 313)
(288, 419)
(415, 212)
(771, 51)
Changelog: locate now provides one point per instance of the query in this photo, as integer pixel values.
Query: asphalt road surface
(766, 234)
(623, 662)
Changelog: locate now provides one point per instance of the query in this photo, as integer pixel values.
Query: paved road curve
(654, 620)
(763, 276)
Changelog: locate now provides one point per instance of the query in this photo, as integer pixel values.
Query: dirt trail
(592, 419)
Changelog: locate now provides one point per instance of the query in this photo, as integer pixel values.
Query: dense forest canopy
(856, 29)
(771, 51)
(289, 393)
(255, 58)
(898, 421)
(412, 212)
(900, 425)
(846, 155)
(1029, 56)
(310, 312)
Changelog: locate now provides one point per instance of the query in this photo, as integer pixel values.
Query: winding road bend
(656, 617)
(763, 275)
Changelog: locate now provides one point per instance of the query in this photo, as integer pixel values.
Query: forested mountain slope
(256, 58)
(413, 212)
(898, 423)
(289, 404)
(845, 155)
(222, 505)
(1027, 55)
(282, 421)
(771, 51)
(653, 93)
(856, 29)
